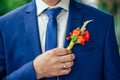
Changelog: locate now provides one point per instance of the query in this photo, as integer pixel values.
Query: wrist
(38, 70)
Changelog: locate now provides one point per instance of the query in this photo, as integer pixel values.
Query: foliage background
(111, 6)
(8, 5)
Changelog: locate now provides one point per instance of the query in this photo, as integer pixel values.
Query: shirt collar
(41, 5)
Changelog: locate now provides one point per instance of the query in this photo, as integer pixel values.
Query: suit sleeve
(111, 54)
(26, 72)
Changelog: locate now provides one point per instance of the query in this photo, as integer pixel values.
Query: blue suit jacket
(98, 59)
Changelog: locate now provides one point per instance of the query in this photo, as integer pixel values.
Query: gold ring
(64, 66)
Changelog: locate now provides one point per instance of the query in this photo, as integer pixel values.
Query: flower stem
(71, 45)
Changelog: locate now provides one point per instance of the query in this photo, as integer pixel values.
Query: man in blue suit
(22, 44)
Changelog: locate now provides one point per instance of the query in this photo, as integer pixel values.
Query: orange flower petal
(76, 32)
(81, 40)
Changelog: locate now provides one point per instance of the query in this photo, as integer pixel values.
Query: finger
(64, 65)
(68, 64)
(67, 58)
(61, 51)
(65, 71)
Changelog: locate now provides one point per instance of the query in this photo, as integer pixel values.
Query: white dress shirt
(61, 20)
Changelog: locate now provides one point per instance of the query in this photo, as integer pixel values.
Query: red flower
(81, 40)
(68, 38)
(70, 33)
(86, 35)
(79, 35)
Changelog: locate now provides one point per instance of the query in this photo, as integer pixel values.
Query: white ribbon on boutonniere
(79, 35)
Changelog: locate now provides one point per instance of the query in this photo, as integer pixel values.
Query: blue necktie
(51, 31)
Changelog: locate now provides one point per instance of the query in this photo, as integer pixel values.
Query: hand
(53, 63)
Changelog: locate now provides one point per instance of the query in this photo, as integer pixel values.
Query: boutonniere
(79, 35)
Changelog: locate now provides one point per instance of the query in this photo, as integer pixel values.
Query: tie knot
(53, 13)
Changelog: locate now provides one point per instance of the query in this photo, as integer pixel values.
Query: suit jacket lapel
(31, 26)
(75, 18)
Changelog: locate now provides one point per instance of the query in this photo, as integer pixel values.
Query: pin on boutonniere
(79, 35)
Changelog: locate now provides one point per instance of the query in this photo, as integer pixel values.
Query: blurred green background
(111, 6)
